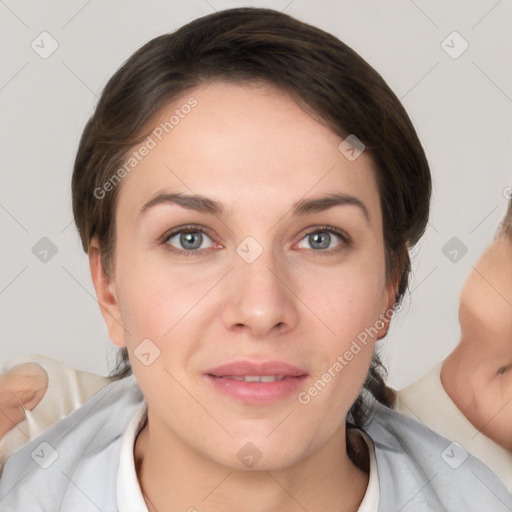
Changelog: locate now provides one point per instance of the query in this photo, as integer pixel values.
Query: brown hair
(323, 75)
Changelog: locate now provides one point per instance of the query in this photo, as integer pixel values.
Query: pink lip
(256, 392)
(240, 368)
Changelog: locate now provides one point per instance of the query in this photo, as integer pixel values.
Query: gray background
(461, 108)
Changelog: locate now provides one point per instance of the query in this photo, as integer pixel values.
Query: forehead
(245, 145)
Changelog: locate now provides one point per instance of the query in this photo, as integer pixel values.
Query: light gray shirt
(73, 465)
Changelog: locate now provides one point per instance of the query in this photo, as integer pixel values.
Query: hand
(25, 384)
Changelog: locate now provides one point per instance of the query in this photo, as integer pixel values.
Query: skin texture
(477, 375)
(253, 149)
(22, 387)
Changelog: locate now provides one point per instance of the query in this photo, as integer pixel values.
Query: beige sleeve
(67, 390)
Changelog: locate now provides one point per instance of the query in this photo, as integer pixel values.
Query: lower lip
(257, 392)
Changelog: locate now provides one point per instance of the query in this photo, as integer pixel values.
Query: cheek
(155, 300)
(349, 304)
(160, 313)
(347, 299)
(352, 313)
(154, 291)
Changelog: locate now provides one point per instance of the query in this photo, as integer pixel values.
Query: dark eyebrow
(320, 204)
(303, 207)
(192, 202)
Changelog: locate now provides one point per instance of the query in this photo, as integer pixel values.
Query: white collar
(371, 497)
(129, 495)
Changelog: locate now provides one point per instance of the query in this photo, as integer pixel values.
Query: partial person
(467, 397)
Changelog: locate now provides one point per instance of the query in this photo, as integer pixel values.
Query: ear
(106, 296)
(388, 299)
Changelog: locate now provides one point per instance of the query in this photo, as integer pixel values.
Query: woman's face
(266, 279)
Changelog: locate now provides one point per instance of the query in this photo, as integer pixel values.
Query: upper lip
(262, 368)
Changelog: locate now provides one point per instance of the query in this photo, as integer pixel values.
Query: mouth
(252, 382)
(247, 369)
(255, 378)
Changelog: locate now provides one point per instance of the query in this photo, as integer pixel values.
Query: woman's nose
(259, 291)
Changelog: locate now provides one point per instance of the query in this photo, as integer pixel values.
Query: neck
(174, 476)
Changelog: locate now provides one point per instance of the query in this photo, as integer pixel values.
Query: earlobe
(106, 296)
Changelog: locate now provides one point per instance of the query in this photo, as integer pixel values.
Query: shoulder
(416, 399)
(46, 399)
(73, 464)
(420, 470)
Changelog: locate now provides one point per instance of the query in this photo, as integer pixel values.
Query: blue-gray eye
(321, 239)
(187, 240)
